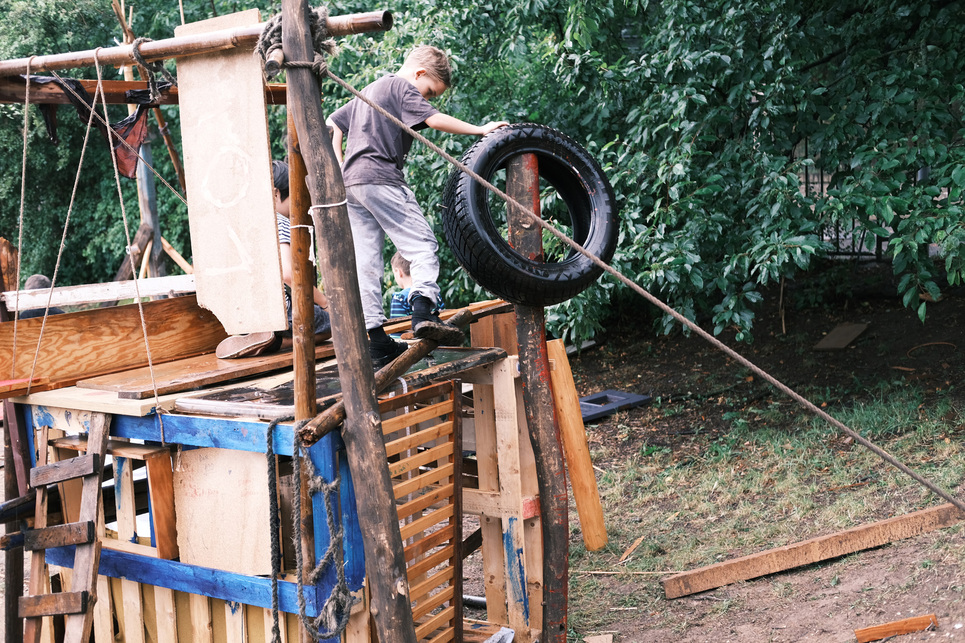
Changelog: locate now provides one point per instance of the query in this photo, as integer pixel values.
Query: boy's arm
(286, 274)
(452, 125)
(336, 140)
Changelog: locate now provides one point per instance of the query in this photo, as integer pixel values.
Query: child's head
(400, 268)
(279, 179)
(427, 67)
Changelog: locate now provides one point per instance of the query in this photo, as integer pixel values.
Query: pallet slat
(74, 533)
(54, 604)
(64, 470)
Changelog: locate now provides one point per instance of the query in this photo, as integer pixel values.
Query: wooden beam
(811, 551)
(95, 293)
(13, 90)
(896, 628)
(179, 47)
(101, 341)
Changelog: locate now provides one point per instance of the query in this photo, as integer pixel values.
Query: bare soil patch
(695, 387)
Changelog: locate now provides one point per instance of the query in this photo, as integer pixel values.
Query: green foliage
(704, 116)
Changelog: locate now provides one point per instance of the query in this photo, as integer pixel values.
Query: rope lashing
(151, 70)
(333, 616)
(322, 44)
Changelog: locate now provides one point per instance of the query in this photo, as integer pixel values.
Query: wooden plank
(95, 293)
(811, 551)
(82, 400)
(431, 602)
(235, 622)
(103, 620)
(227, 166)
(413, 463)
(426, 565)
(160, 487)
(87, 557)
(126, 512)
(107, 340)
(586, 495)
(53, 604)
(194, 372)
(840, 336)
(896, 628)
(391, 425)
(74, 533)
(223, 495)
(119, 448)
(425, 501)
(70, 469)
(38, 567)
(167, 616)
(430, 542)
(490, 503)
(411, 441)
(484, 419)
(442, 618)
(201, 627)
(429, 520)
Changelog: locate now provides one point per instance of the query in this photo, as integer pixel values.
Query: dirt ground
(878, 586)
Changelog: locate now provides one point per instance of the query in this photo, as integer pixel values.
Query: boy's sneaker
(248, 345)
(385, 351)
(431, 327)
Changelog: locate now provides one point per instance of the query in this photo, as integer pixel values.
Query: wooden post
(303, 335)
(13, 557)
(522, 183)
(384, 560)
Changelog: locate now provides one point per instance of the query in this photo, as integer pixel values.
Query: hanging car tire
(479, 247)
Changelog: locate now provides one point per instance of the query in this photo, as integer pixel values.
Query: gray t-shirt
(377, 147)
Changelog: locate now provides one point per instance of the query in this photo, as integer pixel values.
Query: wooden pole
(384, 559)
(187, 45)
(522, 183)
(13, 557)
(303, 336)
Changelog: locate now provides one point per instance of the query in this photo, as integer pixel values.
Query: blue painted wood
(352, 531)
(197, 431)
(28, 418)
(515, 566)
(228, 586)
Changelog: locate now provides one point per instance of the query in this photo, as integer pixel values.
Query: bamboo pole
(186, 46)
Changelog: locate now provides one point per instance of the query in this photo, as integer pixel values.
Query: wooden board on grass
(811, 551)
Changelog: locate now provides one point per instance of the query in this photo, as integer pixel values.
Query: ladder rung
(74, 533)
(53, 604)
(84, 465)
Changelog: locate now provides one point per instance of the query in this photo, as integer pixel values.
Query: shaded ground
(695, 385)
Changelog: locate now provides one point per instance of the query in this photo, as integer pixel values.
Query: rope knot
(270, 42)
(151, 70)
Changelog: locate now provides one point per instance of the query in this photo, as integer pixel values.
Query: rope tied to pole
(333, 616)
(151, 70)
(269, 45)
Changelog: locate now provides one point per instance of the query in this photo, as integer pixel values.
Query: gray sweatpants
(379, 210)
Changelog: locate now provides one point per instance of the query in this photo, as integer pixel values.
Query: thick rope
(151, 70)
(333, 617)
(274, 522)
(808, 405)
(323, 44)
(127, 235)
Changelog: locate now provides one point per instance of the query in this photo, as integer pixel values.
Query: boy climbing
(379, 201)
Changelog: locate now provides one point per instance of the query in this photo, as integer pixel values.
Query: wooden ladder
(77, 603)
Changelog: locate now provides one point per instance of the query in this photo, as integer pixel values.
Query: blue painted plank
(216, 583)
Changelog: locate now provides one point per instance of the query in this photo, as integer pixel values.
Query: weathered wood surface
(586, 495)
(74, 533)
(94, 293)
(95, 342)
(840, 336)
(194, 372)
(896, 628)
(227, 165)
(811, 551)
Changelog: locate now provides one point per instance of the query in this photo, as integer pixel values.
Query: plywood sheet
(227, 164)
(221, 503)
(107, 340)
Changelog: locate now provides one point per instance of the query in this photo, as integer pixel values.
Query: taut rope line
(127, 235)
(63, 238)
(23, 196)
(808, 405)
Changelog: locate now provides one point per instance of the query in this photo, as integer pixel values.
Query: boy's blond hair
(400, 263)
(434, 60)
